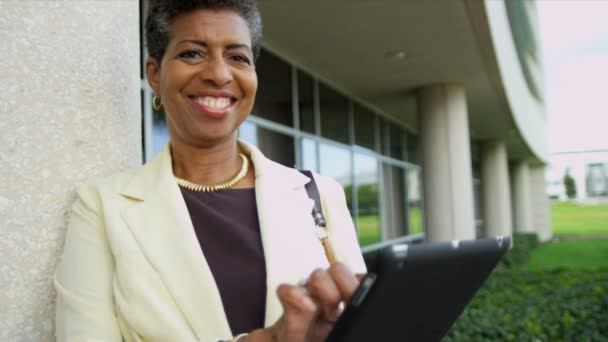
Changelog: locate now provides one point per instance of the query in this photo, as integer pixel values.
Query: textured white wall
(69, 111)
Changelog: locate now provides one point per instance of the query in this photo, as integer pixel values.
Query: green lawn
(577, 254)
(578, 219)
(369, 226)
(369, 229)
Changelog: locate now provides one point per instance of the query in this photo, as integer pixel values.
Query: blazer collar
(161, 224)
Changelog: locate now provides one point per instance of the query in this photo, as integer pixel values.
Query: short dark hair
(162, 13)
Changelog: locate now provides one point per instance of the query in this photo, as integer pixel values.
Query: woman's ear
(153, 75)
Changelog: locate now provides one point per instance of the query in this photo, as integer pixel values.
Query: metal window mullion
(354, 191)
(295, 108)
(353, 179)
(317, 119)
(380, 173)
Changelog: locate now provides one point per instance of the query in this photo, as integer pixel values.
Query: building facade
(588, 169)
(433, 132)
(430, 114)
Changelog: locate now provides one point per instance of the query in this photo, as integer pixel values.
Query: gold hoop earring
(157, 104)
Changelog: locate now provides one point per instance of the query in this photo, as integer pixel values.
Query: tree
(570, 185)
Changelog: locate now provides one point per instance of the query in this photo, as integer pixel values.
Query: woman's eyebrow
(192, 41)
(204, 44)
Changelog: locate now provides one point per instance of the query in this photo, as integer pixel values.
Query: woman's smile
(214, 105)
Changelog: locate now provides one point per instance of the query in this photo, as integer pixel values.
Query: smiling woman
(207, 241)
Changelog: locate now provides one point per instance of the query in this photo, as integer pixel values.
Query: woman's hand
(310, 311)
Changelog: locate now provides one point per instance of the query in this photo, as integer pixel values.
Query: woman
(149, 256)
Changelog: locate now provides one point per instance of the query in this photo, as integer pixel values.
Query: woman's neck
(205, 165)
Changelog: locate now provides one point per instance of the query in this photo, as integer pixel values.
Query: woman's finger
(299, 311)
(345, 280)
(321, 286)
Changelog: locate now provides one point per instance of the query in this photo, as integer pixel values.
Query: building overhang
(382, 51)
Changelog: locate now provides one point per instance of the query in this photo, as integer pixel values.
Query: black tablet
(416, 292)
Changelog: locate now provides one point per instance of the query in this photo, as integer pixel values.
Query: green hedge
(519, 305)
(550, 305)
(519, 254)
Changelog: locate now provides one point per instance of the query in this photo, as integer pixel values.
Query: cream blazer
(132, 266)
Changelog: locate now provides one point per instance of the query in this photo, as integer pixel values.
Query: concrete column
(541, 212)
(496, 190)
(69, 111)
(446, 163)
(522, 202)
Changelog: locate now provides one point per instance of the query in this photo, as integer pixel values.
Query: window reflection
(414, 200)
(276, 146)
(396, 141)
(306, 102)
(368, 220)
(335, 163)
(248, 133)
(160, 135)
(365, 126)
(413, 153)
(273, 98)
(309, 154)
(394, 210)
(334, 114)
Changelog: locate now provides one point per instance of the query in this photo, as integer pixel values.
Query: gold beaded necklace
(214, 187)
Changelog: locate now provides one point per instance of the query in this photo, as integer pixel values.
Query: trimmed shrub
(523, 245)
(519, 305)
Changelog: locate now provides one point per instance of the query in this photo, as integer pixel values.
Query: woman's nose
(217, 72)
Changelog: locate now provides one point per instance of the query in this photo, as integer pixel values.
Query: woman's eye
(189, 54)
(240, 59)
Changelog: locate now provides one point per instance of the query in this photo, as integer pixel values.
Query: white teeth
(214, 102)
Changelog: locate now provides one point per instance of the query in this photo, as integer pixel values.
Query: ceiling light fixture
(397, 55)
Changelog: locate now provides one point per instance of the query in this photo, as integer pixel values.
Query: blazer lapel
(291, 247)
(161, 225)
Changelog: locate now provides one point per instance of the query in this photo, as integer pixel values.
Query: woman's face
(206, 80)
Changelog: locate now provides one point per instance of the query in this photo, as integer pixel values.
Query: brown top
(228, 230)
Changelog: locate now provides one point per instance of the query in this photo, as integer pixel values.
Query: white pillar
(522, 194)
(446, 163)
(541, 213)
(69, 111)
(495, 189)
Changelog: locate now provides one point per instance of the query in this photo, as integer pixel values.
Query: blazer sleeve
(340, 227)
(83, 279)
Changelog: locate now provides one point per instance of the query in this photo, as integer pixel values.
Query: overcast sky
(574, 38)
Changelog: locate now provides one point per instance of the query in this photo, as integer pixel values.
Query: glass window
(334, 114)
(384, 137)
(273, 99)
(413, 153)
(365, 127)
(160, 135)
(394, 214)
(276, 146)
(396, 141)
(335, 163)
(309, 154)
(414, 200)
(368, 220)
(248, 132)
(306, 102)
